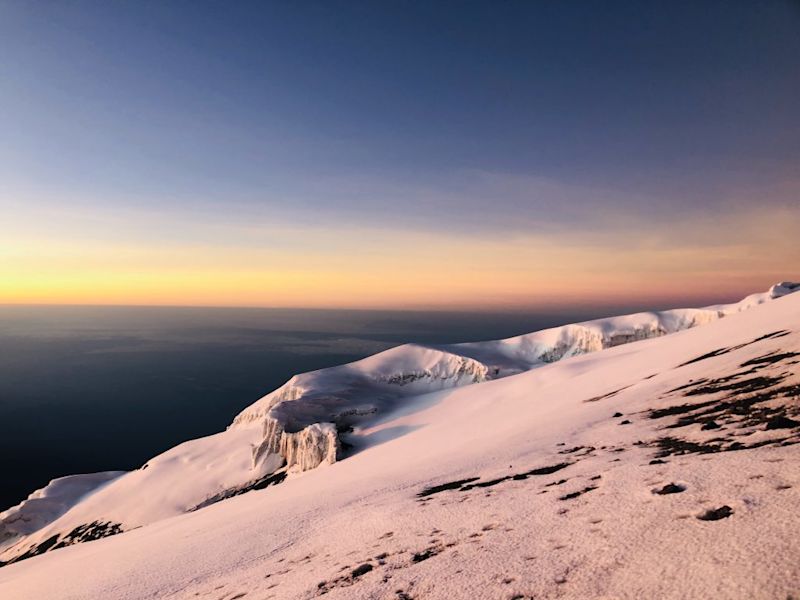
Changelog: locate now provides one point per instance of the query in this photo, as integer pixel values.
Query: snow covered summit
(420, 437)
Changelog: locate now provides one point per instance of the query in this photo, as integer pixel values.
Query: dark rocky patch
(573, 495)
(782, 422)
(259, 484)
(559, 482)
(769, 359)
(692, 383)
(660, 413)
(721, 351)
(425, 554)
(608, 395)
(625, 422)
(549, 470)
(36, 550)
(742, 405)
(669, 446)
(574, 449)
(715, 514)
(485, 484)
(452, 485)
(323, 587)
(772, 336)
(465, 485)
(616, 415)
(87, 533)
(670, 488)
(82, 533)
(361, 570)
(707, 355)
(744, 386)
(657, 461)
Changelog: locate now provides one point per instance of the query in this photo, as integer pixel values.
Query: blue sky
(467, 119)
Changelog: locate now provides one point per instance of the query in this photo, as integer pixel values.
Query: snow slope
(300, 425)
(498, 430)
(47, 504)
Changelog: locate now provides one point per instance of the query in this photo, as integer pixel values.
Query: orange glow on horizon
(390, 269)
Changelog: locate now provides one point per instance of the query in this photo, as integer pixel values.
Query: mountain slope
(309, 420)
(667, 468)
(462, 433)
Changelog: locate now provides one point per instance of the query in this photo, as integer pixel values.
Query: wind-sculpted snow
(309, 420)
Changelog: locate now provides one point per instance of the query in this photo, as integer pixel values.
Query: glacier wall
(302, 420)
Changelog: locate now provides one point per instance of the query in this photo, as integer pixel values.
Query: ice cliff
(302, 421)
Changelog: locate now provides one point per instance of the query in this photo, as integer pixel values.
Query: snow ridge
(339, 396)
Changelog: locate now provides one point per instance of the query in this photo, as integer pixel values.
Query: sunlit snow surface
(557, 496)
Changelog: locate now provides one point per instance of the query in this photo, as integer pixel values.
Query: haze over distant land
(417, 155)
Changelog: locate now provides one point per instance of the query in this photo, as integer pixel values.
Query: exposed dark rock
(608, 395)
(82, 533)
(782, 422)
(425, 554)
(443, 487)
(549, 470)
(715, 514)
(559, 482)
(769, 359)
(361, 570)
(572, 495)
(660, 413)
(744, 386)
(465, 485)
(720, 351)
(713, 353)
(259, 484)
(670, 488)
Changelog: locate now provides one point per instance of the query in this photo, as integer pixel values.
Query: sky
(429, 155)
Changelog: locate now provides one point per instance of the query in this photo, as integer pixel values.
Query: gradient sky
(398, 154)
